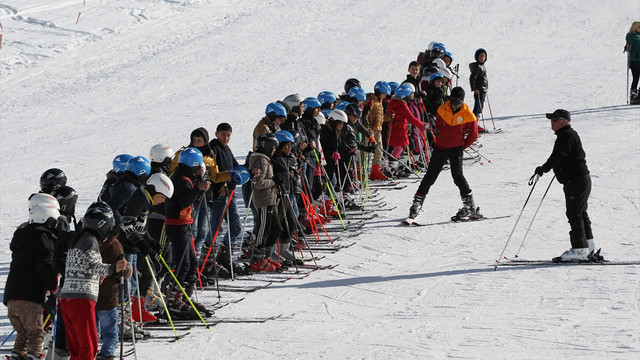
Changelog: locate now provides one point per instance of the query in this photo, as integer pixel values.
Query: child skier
(226, 161)
(31, 275)
(376, 118)
(84, 271)
(479, 81)
(402, 116)
(457, 129)
(264, 199)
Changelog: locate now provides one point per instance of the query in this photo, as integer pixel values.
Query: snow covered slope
(131, 74)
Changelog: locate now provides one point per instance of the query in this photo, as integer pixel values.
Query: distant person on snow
(479, 81)
(633, 48)
(457, 129)
(568, 163)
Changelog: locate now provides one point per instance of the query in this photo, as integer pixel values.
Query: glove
(143, 248)
(236, 177)
(426, 126)
(335, 156)
(539, 171)
(128, 225)
(353, 151)
(365, 148)
(372, 140)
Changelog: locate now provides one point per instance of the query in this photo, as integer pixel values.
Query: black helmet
(52, 179)
(351, 83)
(353, 109)
(67, 198)
(478, 52)
(266, 143)
(99, 219)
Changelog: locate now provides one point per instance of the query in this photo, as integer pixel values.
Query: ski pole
(284, 197)
(532, 182)
(213, 240)
(324, 172)
(479, 154)
(217, 230)
(230, 236)
(490, 112)
(193, 306)
(288, 202)
(164, 304)
(628, 90)
(121, 290)
(534, 215)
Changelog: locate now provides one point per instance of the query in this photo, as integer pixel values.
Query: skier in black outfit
(570, 167)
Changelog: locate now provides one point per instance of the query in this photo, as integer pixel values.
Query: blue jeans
(200, 227)
(234, 225)
(107, 321)
(133, 284)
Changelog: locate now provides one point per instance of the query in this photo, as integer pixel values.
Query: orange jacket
(455, 130)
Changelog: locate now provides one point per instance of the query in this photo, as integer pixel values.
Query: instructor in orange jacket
(457, 129)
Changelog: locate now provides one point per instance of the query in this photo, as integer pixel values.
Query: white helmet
(338, 115)
(446, 73)
(159, 152)
(43, 207)
(321, 119)
(293, 100)
(161, 184)
(439, 63)
(410, 85)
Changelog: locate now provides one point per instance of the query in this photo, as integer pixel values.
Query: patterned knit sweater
(84, 268)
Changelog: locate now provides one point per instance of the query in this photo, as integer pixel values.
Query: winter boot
(32, 356)
(376, 173)
(468, 210)
(223, 257)
(145, 316)
(15, 356)
(416, 206)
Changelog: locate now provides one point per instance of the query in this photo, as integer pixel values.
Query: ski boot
(138, 316)
(259, 261)
(469, 211)
(581, 254)
(416, 206)
(634, 99)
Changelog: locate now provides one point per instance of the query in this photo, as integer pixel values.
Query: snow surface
(131, 74)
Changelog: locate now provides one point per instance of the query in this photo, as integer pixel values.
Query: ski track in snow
(136, 73)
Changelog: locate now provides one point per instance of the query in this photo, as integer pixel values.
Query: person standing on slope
(568, 163)
(633, 47)
(457, 129)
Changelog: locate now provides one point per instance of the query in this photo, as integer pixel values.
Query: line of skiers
(163, 215)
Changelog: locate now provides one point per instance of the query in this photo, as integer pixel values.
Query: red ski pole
(217, 230)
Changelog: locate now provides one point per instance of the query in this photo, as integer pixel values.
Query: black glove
(143, 248)
(367, 148)
(539, 171)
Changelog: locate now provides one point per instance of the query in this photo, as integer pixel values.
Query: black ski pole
(535, 214)
(532, 182)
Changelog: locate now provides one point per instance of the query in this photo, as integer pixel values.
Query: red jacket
(455, 130)
(399, 125)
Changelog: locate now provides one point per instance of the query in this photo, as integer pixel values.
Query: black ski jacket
(568, 157)
(31, 272)
(226, 161)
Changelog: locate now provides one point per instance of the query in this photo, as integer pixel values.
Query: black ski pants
(270, 227)
(184, 257)
(576, 194)
(438, 159)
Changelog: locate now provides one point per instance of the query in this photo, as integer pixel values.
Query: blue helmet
(358, 93)
(191, 157)
(327, 97)
(284, 136)
(326, 112)
(311, 103)
(435, 76)
(403, 91)
(449, 55)
(276, 108)
(382, 87)
(139, 165)
(120, 163)
(341, 106)
(439, 46)
(393, 85)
